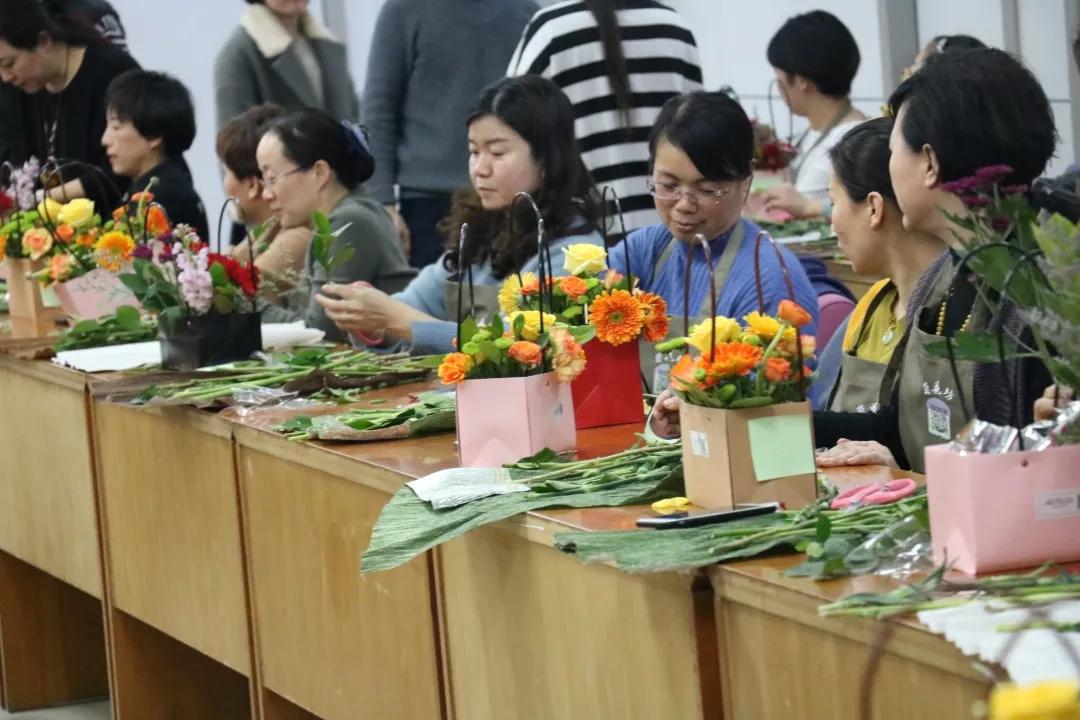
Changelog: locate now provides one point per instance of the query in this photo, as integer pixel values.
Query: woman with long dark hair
(56, 71)
(618, 61)
(521, 139)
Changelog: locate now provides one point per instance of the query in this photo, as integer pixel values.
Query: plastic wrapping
(898, 551)
(985, 438)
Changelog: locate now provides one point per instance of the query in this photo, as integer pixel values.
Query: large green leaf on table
(408, 526)
(978, 347)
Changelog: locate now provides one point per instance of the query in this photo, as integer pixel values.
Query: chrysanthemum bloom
(654, 316)
(510, 292)
(732, 359)
(525, 352)
(617, 317)
(113, 249)
(455, 368)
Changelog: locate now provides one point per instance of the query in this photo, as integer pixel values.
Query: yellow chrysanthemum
(510, 292)
(1051, 700)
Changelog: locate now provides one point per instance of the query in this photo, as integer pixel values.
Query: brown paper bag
(29, 316)
(752, 455)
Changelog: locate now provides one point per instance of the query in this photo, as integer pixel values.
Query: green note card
(781, 446)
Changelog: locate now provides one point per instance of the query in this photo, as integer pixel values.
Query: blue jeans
(422, 215)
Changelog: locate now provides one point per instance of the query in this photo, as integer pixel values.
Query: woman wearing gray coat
(282, 54)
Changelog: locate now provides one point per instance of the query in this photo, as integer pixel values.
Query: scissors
(874, 494)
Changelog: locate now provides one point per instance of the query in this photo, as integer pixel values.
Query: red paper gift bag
(608, 392)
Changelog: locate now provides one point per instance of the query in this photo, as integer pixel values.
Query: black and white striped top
(562, 42)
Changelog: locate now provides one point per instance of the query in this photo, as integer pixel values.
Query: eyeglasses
(270, 182)
(663, 190)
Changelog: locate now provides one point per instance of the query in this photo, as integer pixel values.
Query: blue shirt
(427, 293)
(738, 295)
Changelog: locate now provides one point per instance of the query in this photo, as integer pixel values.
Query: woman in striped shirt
(618, 61)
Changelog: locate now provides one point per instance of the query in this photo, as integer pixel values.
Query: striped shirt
(562, 42)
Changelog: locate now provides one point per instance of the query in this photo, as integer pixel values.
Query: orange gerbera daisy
(777, 370)
(455, 368)
(732, 359)
(573, 286)
(617, 316)
(654, 316)
(525, 352)
(113, 249)
(682, 375)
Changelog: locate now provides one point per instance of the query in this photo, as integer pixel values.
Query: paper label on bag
(937, 418)
(699, 444)
(1057, 504)
(781, 446)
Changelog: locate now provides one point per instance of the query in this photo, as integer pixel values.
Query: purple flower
(1013, 189)
(962, 186)
(1000, 223)
(975, 201)
(993, 172)
(143, 252)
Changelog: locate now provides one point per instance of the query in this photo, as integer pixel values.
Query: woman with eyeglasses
(521, 139)
(310, 163)
(701, 151)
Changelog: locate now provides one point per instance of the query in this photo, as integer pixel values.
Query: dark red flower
(246, 277)
(6, 203)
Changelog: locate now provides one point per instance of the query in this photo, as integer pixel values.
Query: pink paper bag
(502, 420)
(97, 293)
(990, 513)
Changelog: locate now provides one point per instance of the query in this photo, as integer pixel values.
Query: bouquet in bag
(770, 152)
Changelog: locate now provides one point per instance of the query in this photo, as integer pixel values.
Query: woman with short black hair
(55, 71)
(815, 58)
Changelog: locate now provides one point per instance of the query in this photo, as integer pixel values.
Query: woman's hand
(363, 310)
(786, 198)
(856, 452)
(664, 420)
(1045, 407)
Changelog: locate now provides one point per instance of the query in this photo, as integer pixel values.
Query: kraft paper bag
(93, 295)
(30, 317)
(752, 455)
(608, 392)
(990, 513)
(503, 420)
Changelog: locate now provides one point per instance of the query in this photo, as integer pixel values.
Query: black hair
(158, 105)
(861, 160)
(239, 138)
(618, 74)
(947, 43)
(712, 129)
(820, 48)
(23, 22)
(1076, 49)
(537, 110)
(309, 135)
(977, 108)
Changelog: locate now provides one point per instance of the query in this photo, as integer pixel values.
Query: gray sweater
(429, 61)
(378, 260)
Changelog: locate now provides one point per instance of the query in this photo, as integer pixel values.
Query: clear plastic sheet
(982, 437)
(898, 551)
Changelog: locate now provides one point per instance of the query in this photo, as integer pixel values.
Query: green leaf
(341, 257)
(321, 222)
(751, 402)
(128, 317)
(978, 347)
(573, 311)
(496, 327)
(219, 275)
(134, 282)
(489, 350)
(823, 529)
(583, 333)
(468, 329)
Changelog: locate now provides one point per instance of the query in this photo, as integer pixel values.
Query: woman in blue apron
(521, 139)
(960, 113)
(870, 231)
(701, 153)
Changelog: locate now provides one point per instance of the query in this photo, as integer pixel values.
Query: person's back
(429, 60)
(566, 42)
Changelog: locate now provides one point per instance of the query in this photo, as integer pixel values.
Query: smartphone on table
(701, 516)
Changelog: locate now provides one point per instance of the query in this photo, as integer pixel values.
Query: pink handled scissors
(874, 494)
(368, 340)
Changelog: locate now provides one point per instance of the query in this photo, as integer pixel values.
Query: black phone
(695, 518)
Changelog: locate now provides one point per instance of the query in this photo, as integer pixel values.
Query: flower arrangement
(770, 153)
(757, 363)
(524, 348)
(590, 295)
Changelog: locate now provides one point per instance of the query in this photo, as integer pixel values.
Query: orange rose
(573, 286)
(526, 353)
(777, 370)
(531, 287)
(156, 222)
(140, 196)
(119, 213)
(455, 368)
(792, 314)
(65, 232)
(87, 239)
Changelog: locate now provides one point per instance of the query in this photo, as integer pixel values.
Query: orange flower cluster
(620, 316)
(455, 368)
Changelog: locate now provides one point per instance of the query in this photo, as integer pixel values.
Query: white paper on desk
(115, 358)
(457, 486)
(1039, 654)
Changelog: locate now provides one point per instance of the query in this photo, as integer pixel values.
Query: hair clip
(356, 136)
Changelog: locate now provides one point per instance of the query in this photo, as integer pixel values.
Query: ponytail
(607, 21)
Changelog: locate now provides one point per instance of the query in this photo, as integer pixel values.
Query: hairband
(356, 138)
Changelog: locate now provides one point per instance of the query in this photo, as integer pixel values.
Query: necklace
(51, 128)
(890, 332)
(941, 316)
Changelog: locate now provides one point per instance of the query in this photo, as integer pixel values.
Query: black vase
(211, 339)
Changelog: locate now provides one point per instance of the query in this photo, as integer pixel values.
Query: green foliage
(326, 249)
(126, 325)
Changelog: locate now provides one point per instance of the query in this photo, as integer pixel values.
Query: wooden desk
(52, 638)
(179, 617)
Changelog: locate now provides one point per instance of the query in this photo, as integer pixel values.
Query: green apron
(655, 366)
(858, 386)
(930, 411)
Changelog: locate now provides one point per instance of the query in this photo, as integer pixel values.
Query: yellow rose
(49, 210)
(1051, 700)
(766, 327)
(531, 329)
(584, 259)
(510, 292)
(77, 213)
(726, 331)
